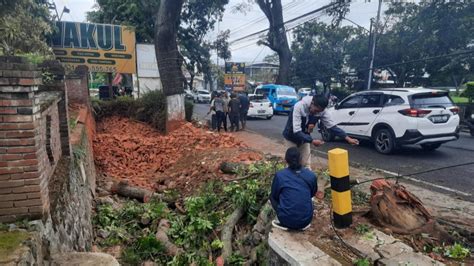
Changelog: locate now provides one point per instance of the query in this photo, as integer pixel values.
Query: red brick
(6, 204)
(23, 162)
(25, 175)
(17, 142)
(25, 189)
(19, 134)
(33, 168)
(7, 110)
(17, 118)
(11, 183)
(3, 164)
(10, 170)
(11, 197)
(34, 195)
(10, 126)
(21, 150)
(8, 211)
(32, 181)
(35, 209)
(29, 82)
(27, 203)
(4, 191)
(11, 157)
(12, 103)
(30, 156)
(5, 177)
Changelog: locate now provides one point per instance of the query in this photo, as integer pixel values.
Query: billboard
(101, 47)
(235, 68)
(234, 80)
(147, 66)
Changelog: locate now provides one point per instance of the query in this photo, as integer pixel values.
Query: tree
(17, 33)
(319, 50)
(276, 38)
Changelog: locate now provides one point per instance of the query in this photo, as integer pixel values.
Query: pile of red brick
(132, 150)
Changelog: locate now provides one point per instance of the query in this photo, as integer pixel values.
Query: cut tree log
(231, 167)
(161, 235)
(123, 189)
(395, 208)
(226, 233)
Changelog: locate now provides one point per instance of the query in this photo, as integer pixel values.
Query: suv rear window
(432, 100)
(258, 98)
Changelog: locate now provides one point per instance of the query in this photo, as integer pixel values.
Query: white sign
(146, 61)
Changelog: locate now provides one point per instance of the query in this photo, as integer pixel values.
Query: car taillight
(251, 105)
(414, 112)
(270, 105)
(454, 109)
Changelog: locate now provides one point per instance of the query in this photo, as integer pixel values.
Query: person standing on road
(234, 112)
(291, 193)
(301, 121)
(226, 100)
(219, 108)
(244, 108)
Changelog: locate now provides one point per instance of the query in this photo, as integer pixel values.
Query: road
(457, 181)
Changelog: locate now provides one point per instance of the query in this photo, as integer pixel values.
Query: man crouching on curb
(301, 121)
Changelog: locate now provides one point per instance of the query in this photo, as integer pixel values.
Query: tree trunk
(170, 60)
(276, 38)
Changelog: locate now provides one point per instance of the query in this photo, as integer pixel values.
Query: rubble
(130, 150)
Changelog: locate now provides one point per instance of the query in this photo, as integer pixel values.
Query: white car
(391, 118)
(202, 96)
(260, 107)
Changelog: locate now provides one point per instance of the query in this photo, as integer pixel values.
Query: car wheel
(430, 146)
(326, 134)
(269, 117)
(384, 141)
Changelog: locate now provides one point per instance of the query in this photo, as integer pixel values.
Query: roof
(405, 90)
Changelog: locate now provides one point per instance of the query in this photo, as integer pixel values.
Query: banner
(101, 47)
(234, 80)
(235, 68)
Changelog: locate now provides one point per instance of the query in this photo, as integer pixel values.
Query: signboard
(235, 68)
(146, 61)
(234, 80)
(101, 47)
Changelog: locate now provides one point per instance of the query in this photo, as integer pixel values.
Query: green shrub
(150, 108)
(340, 93)
(188, 110)
(469, 91)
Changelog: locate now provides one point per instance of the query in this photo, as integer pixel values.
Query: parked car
(391, 118)
(260, 107)
(304, 92)
(282, 97)
(189, 95)
(202, 96)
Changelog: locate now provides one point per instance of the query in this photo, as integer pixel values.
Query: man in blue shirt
(292, 190)
(301, 121)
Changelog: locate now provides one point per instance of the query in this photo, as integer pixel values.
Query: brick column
(57, 83)
(23, 193)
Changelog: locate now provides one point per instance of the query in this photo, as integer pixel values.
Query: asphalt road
(457, 181)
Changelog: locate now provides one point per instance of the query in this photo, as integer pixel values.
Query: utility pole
(374, 39)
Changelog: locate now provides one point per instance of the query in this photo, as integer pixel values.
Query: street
(411, 159)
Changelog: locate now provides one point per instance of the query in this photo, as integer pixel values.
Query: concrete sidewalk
(441, 205)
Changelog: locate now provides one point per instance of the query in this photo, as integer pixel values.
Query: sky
(252, 21)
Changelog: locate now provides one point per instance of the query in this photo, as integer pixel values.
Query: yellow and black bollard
(340, 188)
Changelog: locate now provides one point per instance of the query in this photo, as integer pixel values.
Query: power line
(286, 22)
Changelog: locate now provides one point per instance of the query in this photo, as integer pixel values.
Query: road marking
(409, 178)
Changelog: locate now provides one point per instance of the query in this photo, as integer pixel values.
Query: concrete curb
(296, 252)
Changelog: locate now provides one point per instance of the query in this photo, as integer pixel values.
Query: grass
(9, 241)
(457, 99)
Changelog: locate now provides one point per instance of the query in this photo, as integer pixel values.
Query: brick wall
(30, 140)
(77, 84)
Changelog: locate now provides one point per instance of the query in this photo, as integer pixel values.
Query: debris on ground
(127, 149)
